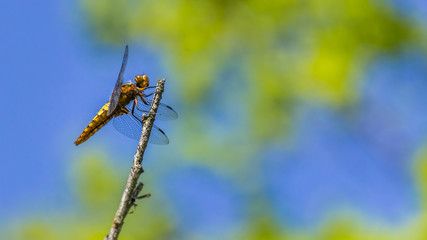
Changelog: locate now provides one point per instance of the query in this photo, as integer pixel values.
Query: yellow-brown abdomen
(97, 122)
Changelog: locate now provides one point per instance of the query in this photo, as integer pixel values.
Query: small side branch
(131, 192)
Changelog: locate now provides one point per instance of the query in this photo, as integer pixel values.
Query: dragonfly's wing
(131, 126)
(158, 136)
(164, 112)
(114, 99)
(128, 126)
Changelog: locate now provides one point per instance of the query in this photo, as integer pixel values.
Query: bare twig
(131, 192)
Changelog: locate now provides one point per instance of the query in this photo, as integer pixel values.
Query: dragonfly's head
(141, 81)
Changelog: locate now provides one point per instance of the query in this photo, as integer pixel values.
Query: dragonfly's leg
(142, 98)
(135, 102)
(141, 95)
(145, 102)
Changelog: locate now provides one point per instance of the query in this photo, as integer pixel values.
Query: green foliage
(96, 182)
(36, 231)
(98, 187)
(259, 56)
(152, 220)
(420, 169)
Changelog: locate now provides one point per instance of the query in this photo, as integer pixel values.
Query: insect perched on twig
(126, 106)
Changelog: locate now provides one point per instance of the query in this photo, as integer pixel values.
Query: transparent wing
(158, 136)
(164, 112)
(128, 126)
(114, 99)
(131, 126)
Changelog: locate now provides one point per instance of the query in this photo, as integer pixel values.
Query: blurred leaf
(420, 172)
(97, 182)
(36, 231)
(281, 52)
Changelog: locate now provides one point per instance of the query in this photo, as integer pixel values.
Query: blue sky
(54, 80)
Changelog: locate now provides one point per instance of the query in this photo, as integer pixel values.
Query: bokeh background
(297, 119)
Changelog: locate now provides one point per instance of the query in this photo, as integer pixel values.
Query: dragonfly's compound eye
(142, 81)
(146, 80)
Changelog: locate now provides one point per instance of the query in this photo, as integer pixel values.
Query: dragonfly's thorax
(128, 93)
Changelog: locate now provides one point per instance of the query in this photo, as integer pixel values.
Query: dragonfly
(126, 107)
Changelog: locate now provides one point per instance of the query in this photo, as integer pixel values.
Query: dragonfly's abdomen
(97, 122)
